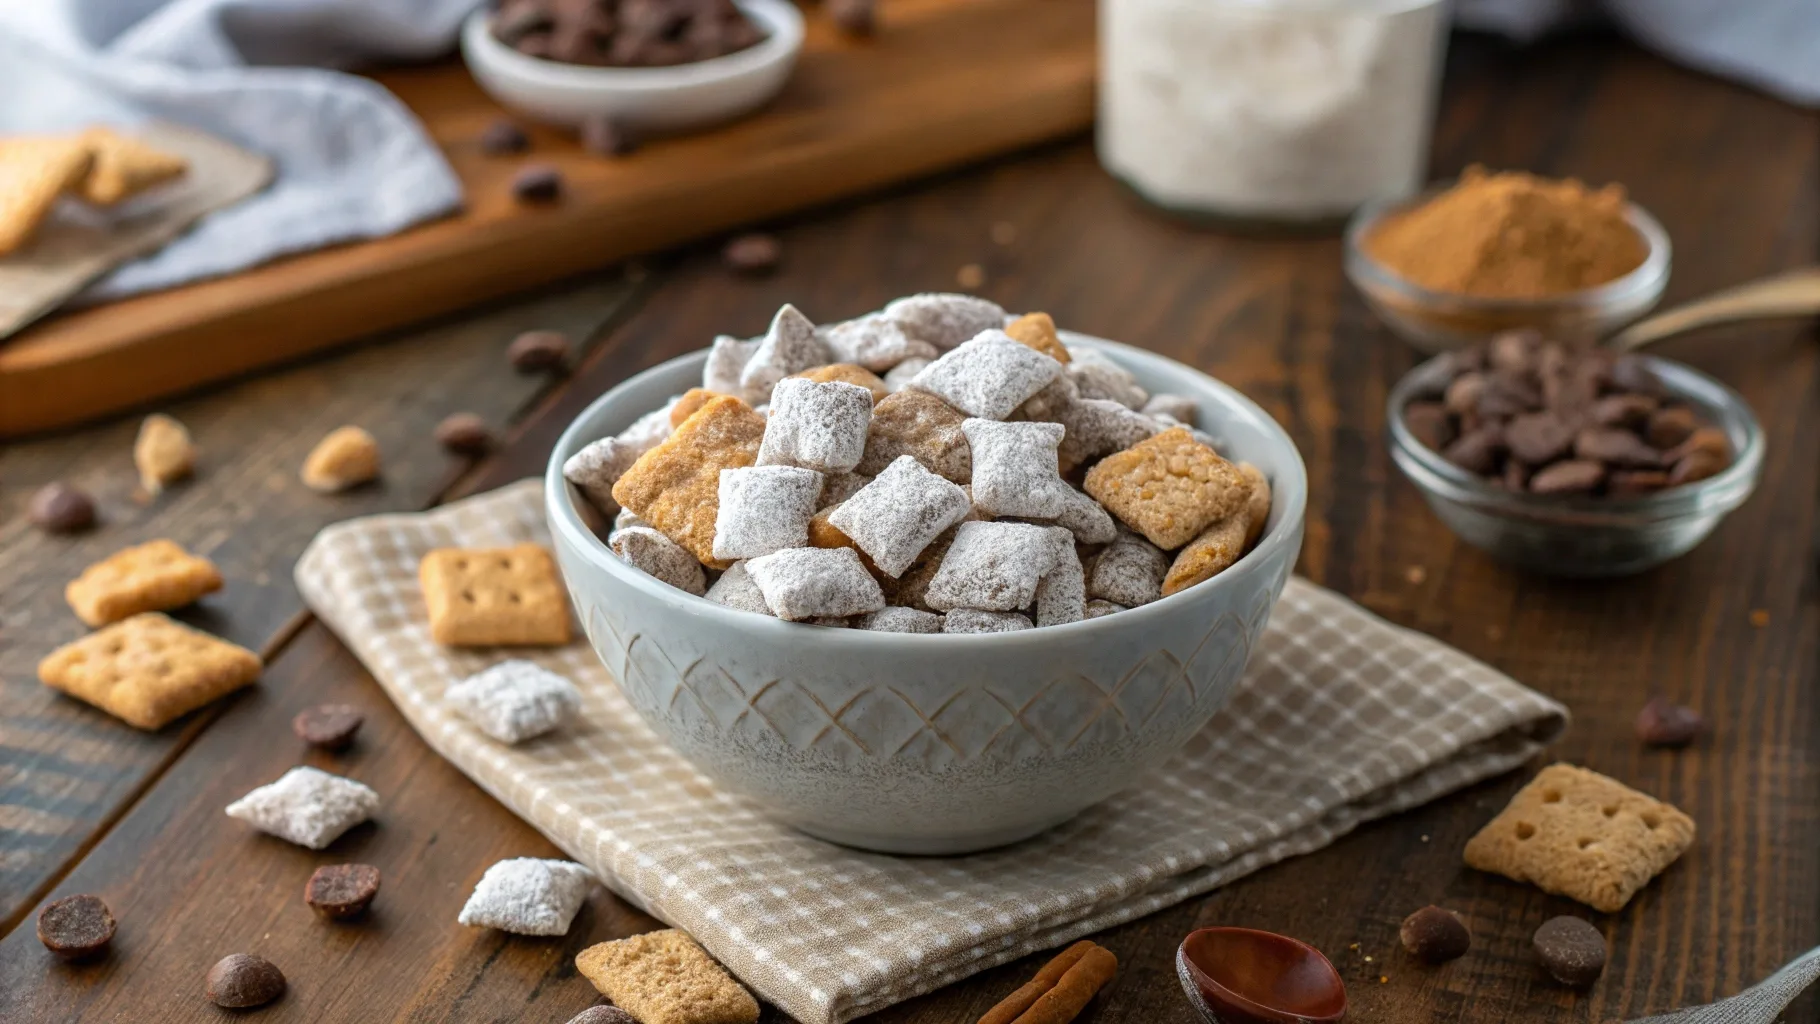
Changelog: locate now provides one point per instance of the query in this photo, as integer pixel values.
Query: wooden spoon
(1245, 976)
(1794, 293)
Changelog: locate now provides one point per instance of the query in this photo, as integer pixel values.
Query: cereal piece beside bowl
(918, 742)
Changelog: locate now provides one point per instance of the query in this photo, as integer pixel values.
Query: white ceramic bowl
(655, 100)
(930, 744)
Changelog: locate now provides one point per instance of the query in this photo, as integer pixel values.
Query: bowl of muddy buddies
(930, 580)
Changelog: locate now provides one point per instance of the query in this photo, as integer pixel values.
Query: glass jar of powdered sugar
(1268, 111)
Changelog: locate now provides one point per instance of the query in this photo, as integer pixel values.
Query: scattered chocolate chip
(1428, 422)
(854, 17)
(76, 927)
(1477, 451)
(1634, 483)
(341, 890)
(241, 980)
(1435, 935)
(603, 1015)
(1573, 476)
(538, 351)
(1694, 467)
(1539, 438)
(502, 137)
(754, 253)
(537, 183)
(329, 726)
(1615, 446)
(604, 136)
(1663, 723)
(1624, 410)
(60, 508)
(1671, 426)
(1571, 950)
(464, 433)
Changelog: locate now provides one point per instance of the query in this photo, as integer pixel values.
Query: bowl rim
(1639, 286)
(567, 526)
(783, 39)
(1721, 492)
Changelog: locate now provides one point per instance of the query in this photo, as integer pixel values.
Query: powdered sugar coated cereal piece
(975, 620)
(816, 426)
(306, 806)
(1014, 468)
(897, 515)
(992, 566)
(736, 590)
(1099, 426)
(1098, 376)
(1061, 595)
(596, 468)
(726, 363)
(1179, 408)
(922, 426)
(1097, 608)
(848, 373)
(649, 550)
(515, 700)
(1084, 517)
(989, 376)
(945, 319)
(676, 486)
(528, 896)
(900, 620)
(804, 583)
(625, 518)
(876, 342)
(1130, 572)
(764, 509)
(838, 487)
(899, 377)
(790, 346)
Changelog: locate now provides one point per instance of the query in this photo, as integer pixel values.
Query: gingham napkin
(1341, 718)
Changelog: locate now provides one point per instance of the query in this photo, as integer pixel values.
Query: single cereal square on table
(1169, 487)
(482, 597)
(152, 577)
(676, 485)
(149, 669)
(528, 896)
(306, 806)
(664, 977)
(1579, 834)
(515, 700)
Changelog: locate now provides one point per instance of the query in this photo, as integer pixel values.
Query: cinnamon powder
(1511, 235)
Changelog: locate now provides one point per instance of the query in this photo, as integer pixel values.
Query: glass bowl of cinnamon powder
(1491, 252)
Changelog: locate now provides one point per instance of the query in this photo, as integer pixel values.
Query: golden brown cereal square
(1576, 833)
(664, 977)
(1169, 487)
(689, 404)
(152, 577)
(922, 426)
(482, 597)
(148, 669)
(1208, 555)
(1038, 331)
(676, 486)
(848, 373)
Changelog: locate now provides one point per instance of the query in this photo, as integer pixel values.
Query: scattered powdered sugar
(899, 513)
(764, 509)
(649, 550)
(1097, 608)
(874, 341)
(816, 425)
(528, 896)
(900, 376)
(1097, 376)
(306, 806)
(515, 700)
(989, 376)
(790, 346)
(1014, 468)
(992, 566)
(945, 319)
(804, 583)
(1061, 595)
(900, 620)
(736, 590)
(727, 359)
(1129, 572)
(1179, 408)
(974, 620)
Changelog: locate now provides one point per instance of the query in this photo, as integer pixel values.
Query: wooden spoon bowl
(1245, 976)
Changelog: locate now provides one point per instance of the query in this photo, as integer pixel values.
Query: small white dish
(655, 100)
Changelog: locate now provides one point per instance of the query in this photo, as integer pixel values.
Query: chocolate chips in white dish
(957, 497)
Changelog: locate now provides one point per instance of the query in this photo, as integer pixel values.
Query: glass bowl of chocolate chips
(1573, 460)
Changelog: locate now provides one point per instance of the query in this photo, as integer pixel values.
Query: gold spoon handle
(1795, 293)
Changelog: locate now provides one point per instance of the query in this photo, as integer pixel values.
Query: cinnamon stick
(1060, 990)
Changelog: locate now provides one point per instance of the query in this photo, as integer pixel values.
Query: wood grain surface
(944, 82)
(1736, 179)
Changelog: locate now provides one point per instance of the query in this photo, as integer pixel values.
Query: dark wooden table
(88, 805)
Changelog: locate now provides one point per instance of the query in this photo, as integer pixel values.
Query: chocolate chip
(1516, 476)
(1462, 396)
(1663, 723)
(1671, 426)
(537, 45)
(1516, 351)
(1571, 950)
(537, 183)
(603, 1015)
(1508, 394)
(1429, 423)
(242, 980)
(1624, 410)
(1696, 466)
(75, 927)
(1572, 476)
(60, 508)
(1631, 373)
(464, 434)
(753, 253)
(1435, 935)
(1706, 440)
(1539, 437)
(329, 726)
(538, 351)
(1632, 483)
(519, 18)
(854, 17)
(341, 890)
(502, 136)
(1615, 446)
(1477, 451)
(604, 136)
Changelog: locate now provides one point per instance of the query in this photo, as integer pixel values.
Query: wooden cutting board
(945, 82)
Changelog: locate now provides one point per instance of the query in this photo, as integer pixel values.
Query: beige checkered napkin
(1341, 718)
